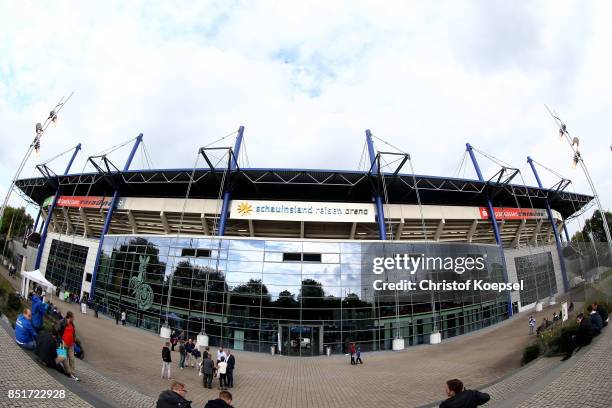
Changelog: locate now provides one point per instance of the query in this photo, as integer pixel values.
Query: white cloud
(307, 79)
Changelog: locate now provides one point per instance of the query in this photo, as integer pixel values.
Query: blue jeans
(182, 361)
(31, 345)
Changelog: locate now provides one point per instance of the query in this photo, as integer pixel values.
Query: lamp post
(578, 159)
(35, 145)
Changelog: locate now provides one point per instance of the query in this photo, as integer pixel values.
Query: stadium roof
(304, 185)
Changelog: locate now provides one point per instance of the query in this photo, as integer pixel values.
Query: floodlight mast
(40, 130)
(577, 159)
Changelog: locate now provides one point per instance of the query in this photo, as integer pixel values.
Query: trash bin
(273, 350)
(328, 351)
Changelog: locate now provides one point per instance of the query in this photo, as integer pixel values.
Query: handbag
(61, 352)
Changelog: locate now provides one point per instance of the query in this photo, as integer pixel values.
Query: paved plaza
(122, 368)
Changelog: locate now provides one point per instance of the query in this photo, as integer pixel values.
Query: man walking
(229, 371)
(67, 333)
(166, 360)
(123, 317)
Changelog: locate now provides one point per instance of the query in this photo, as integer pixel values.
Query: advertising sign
(80, 201)
(302, 211)
(509, 213)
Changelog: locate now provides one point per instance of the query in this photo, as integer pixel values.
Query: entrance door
(300, 340)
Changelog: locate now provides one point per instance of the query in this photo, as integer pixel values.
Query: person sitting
(25, 335)
(602, 312)
(583, 337)
(174, 397)
(47, 352)
(542, 327)
(595, 320)
(460, 397)
(224, 401)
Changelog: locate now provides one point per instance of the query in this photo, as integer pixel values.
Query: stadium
(262, 259)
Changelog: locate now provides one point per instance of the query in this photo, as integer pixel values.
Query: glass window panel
(283, 246)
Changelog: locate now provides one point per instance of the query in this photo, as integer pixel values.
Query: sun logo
(245, 209)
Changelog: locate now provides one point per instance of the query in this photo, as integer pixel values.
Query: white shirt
(122, 315)
(221, 354)
(222, 365)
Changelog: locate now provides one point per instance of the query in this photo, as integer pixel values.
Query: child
(358, 359)
(166, 360)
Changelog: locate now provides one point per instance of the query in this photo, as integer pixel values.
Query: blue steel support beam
(554, 227)
(227, 194)
(37, 220)
(109, 217)
(380, 211)
(567, 237)
(494, 223)
(43, 233)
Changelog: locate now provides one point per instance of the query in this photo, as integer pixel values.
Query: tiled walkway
(129, 358)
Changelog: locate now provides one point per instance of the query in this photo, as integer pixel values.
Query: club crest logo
(141, 290)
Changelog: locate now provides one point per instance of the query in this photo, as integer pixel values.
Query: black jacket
(170, 399)
(166, 356)
(596, 322)
(585, 334)
(231, 362)
(602, 312)
(217, 403)
(466, 399)
(46, 348)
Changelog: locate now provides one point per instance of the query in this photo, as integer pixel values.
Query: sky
(306, 79)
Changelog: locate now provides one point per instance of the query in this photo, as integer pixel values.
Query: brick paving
(123, 365)
(587, 383)
(20, 372)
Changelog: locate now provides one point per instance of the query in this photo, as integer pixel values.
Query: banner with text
(510, 213)
(302, 211)
(80, 201)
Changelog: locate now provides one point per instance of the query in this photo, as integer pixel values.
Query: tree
(17, 220)
(593, 228)
(312, 289)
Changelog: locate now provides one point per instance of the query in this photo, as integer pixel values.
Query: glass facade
(538, 274)
(299, 296)
(65, 265)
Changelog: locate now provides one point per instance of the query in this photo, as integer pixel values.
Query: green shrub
(13, 302)
(531, 353)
